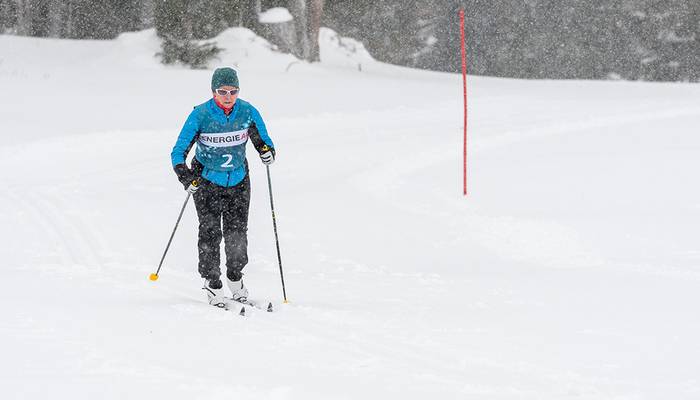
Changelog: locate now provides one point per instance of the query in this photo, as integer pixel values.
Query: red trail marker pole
(464, 80)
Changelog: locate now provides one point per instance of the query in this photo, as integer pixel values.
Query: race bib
(225, 139)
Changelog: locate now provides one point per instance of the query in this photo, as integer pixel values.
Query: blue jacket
(221, 140)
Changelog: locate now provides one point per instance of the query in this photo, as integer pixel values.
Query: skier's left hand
(268, 157)
(194, 186)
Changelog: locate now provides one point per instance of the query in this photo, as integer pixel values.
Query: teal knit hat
(224, 77)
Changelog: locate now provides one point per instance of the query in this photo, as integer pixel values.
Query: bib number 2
(227, 164)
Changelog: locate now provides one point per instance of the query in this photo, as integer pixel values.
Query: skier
(218, 179)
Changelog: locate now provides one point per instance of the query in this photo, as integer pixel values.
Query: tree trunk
(313, 26)
(57, 13)
(282, 34)
(250, 11)
(23, 25)
(8, 16)
(298, 10)
(307, 20)
(147, 17)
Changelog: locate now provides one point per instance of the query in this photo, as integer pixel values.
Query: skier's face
(226, 95)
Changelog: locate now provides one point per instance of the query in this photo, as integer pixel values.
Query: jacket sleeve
(186, 139)
(258, 133)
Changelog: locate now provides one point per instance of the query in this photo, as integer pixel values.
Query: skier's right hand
(185, 176)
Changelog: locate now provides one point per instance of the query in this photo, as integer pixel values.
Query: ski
(230, 305)
(234, 307)
(252, 303)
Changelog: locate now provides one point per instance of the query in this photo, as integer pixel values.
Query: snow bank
(342, 51)
(275, 15)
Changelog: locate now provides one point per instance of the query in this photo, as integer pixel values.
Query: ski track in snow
(564, 274)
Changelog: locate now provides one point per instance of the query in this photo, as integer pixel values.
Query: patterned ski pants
(216, 204)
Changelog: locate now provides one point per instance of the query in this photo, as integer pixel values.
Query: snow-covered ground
(572, 270)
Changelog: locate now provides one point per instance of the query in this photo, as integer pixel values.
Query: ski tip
(269, 307)
(242, 311)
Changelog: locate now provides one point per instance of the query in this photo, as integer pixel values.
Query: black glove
(184, 175)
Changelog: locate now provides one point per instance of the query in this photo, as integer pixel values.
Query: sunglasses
(222, 92)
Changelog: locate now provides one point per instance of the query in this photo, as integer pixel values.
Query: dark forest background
(656, 40)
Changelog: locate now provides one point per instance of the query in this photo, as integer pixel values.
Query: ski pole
(274, 225)
(154, 277)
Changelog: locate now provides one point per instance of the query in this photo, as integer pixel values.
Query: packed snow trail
(571, 270)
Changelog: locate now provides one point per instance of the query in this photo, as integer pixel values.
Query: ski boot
(215, 292)
(238, 290)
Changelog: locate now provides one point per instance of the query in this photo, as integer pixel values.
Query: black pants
(216, 203)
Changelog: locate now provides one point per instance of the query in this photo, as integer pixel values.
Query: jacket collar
(219, 112)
